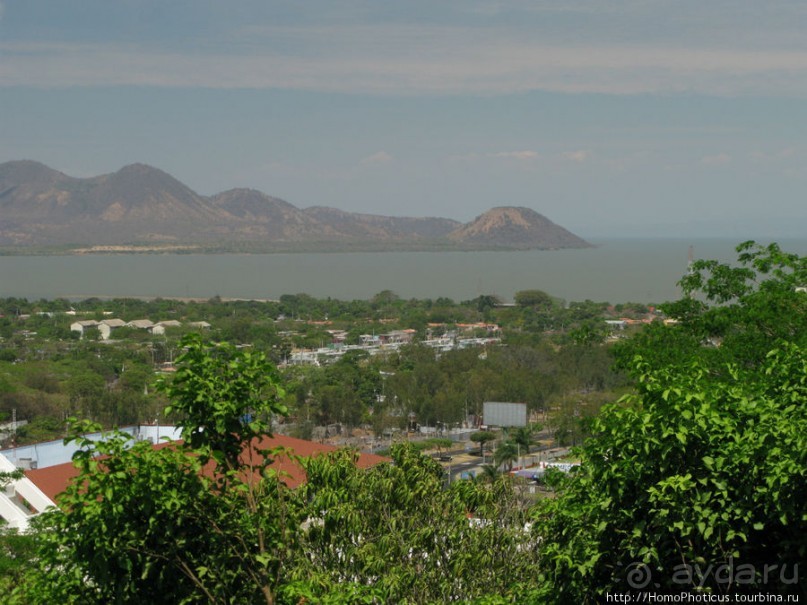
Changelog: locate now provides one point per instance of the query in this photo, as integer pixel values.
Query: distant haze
(625, 117)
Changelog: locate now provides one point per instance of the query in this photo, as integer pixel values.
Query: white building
(141, 324)
(106, 326)
(83, 325)
(20, 499)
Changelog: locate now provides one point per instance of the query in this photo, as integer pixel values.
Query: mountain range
(140, 207)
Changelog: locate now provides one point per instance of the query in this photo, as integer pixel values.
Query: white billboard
(498, 413)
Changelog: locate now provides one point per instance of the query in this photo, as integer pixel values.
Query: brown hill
(519, 228)
(31, 191)
(385, 227)
(137, 203)
(140, 204)
(262, 216)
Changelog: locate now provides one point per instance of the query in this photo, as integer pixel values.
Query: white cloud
(408, 60)
(381, 157)
(719, 159)
(576, 156)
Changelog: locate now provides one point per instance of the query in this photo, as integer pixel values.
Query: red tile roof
(53, 480)
(291, 472)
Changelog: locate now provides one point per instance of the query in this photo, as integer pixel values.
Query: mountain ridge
(143, 205)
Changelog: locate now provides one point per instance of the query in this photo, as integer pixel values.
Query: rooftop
(53, 480)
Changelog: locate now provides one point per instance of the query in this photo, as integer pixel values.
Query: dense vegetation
(147, 525)
(694, 481)
(698, 480)
(549, 353)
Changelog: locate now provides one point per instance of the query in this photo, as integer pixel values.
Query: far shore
(184, 299)
(264, 248)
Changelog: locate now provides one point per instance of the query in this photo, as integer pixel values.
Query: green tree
(705, 465)
(506, 454)
(489, 473)
(223, 399)
(485, 303)
(534, 298)
(691, 471)
(741, 310)
(589, 332)
(16, 553)
(394, 534)
(482, 437)
(523, 436)
(385, 297)
(198, 521)
(85, 390)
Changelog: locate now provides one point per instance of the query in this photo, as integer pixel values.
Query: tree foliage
(16, 553)
(534, 298)
(201, 521)
(183, 523)
(223, 398)
(394, 534)
(506, 454)
(706, 465)
(482, 437)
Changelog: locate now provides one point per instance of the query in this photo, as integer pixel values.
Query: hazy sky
(610, 117)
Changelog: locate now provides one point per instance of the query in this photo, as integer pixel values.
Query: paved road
(464, 462)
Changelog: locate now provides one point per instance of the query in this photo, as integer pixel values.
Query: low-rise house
(337, 336)
(398, 337)
(115, 323)
(170, 323)
(105, 327)
(302, 357)
(487, 327)
(159, 328)
(82, 326)
(141, 324)
(370, 340)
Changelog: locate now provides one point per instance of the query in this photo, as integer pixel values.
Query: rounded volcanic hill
(514, 227)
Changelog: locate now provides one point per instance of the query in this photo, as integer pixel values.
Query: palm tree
(523, 437)
(488, 474)
(506, 454)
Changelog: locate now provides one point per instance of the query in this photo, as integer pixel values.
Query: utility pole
(14, 433)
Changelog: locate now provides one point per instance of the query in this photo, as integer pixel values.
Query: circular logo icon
(638, 575)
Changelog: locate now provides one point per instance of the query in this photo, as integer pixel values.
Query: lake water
(642, 270)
